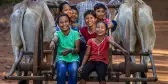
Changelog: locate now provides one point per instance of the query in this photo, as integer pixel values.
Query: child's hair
(61, 15)
(90, 12)
(74, 7)
(103, 23)
(62, 5)
(99, 5)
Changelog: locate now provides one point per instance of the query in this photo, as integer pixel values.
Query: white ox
(25, 17)
(135, 28)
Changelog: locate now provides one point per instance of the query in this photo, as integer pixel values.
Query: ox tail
(137, 25)
(21, 21)
(136, 22)
(136, 15)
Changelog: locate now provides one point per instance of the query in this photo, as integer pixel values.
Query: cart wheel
(19, 73)
(38, 51)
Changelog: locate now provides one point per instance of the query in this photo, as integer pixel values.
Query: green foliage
(9, 1)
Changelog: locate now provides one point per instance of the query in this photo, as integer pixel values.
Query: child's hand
(52, 45)
(80, 68)
(110, 25)
(66, 51)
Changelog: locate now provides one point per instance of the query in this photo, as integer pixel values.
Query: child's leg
(101, 70)
(82, 51)
(87, 69)
(61, 72)
(73, 72)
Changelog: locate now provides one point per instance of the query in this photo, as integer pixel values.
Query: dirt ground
(160, 54)
(160, 51)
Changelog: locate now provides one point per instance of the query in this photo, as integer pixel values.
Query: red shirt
(84, 32)
(99, 52)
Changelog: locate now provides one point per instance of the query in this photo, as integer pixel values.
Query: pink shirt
(99, 52)
(107, 21)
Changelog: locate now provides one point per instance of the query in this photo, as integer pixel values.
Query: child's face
(100, 13)
(74, 16)
(67, 10)
(64, 23)
(90, 20)
(101, 29)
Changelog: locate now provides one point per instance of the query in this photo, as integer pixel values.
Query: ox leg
(16, 51)
(130, 40)
(133, 42)
(145, 42)
(148, 41)
(143, 33)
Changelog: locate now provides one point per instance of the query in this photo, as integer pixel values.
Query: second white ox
(136, 28)
(26, 16)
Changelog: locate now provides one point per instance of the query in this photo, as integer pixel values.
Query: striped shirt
(88, 5)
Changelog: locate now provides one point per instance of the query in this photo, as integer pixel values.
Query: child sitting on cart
(67, 58)
(96, 56)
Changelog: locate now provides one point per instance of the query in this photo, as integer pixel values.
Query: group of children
(69, 37)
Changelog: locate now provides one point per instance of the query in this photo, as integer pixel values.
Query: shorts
(98, 66)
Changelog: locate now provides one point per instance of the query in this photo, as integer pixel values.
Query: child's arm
(55, 39)
(77, 47)
(86, 57)
(112, 42)
(112, 24)
(82, 38)
(53, 42)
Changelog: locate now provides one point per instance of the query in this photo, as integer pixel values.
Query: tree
(9, 1)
